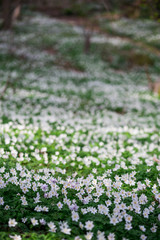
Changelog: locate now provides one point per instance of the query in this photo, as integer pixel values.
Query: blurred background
(11, 9)
(119, 35)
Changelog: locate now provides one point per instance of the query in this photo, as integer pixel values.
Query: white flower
(128, 226)
(7, 207)
(142, 228)
(34, 221)
(52, 227)
(81, 225)
(154, 228)
(59, 205)
(65, 228)
(16, 237)
(146, 212)
(111, 236)
(113, 220)
(77, 238)
(89, 235)
(143, 237)
(24, 220)
(12, 222)
(1, 201)
(128, 218)
(100, 235)
(89, 225)
(75, 216)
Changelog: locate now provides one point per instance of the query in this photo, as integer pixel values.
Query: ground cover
(144, 30)
(79, 136)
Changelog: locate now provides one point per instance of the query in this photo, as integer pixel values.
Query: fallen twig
(5, 88)
(7, 85)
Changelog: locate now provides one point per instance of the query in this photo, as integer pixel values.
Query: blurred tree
(10, 11)
(150, 8)
(108, 5)
(140, 8)
(88, 24)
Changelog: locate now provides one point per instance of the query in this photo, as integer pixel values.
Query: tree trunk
(16, 10)
(87, 42)
(11, 11)
(7, 15)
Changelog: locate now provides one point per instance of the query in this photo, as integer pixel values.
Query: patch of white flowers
(74, 151)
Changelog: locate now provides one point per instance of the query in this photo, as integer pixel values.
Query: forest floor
(79, 133)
